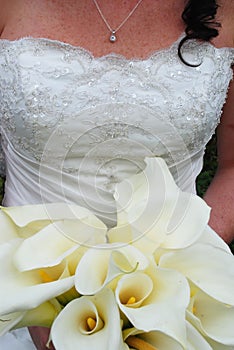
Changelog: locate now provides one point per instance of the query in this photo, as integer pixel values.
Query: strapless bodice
(73, 125)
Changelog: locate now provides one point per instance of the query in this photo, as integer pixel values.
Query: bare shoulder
(6, 9)
(225, 16)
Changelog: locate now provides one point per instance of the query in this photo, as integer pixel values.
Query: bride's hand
(40, 336)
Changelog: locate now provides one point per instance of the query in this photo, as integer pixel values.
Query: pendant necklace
(113, 36)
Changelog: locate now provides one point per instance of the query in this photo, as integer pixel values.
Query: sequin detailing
(62, 107)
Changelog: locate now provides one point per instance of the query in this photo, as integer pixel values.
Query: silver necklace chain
(113, 37)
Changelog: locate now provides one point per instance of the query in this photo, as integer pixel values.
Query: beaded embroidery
(101, 109)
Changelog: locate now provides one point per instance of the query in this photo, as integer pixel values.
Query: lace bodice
(73, 125)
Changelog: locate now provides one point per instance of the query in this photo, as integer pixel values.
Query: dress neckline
(122, 57)
(87, 52)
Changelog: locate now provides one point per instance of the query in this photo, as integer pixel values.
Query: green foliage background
(203, 180)
(209, 168)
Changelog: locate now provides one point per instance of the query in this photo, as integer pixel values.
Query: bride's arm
(220, 194)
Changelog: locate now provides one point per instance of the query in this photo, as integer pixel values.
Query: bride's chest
(53, 90)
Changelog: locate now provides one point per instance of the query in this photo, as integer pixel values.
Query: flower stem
(139, 344)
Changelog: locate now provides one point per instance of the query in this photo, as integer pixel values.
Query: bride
(89, 88)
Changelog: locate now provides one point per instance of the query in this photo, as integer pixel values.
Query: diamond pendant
(113, 37)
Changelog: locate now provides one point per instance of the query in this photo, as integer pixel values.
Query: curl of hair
(199, 18)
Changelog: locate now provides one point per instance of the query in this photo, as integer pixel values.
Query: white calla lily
(208, 267)
(25, 290)
(39, 267)
(105, 262)
(43, 315)
(209, 316)
(8, 228)
(90, 322)
(195, 339)
(9, 321)
(155, 299)
(134, 289)
(210, 237)
(153, 340)
(47, 248)
(30, 219)
(152, 204)
(218, 346)
(168, 275)
(156, 340)
(27, 214)
(50, 246)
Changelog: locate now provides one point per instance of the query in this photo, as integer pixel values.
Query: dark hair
(199, 18)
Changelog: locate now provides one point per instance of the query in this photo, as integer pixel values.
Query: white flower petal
(137, 285)
(158, 340)
(24, 290)
(188, 221)
(104, 263)
(154, 206)
(7, 322)
(51, 245)
(208, 267)
(24, 215)
(70, 330)
(30, 219)
(217, 346)
(163, 309)
(195, 340)
(8, 229)
(94, 264)
(210, 316)
(209, 236)
(127, 258)
(46, 248)
(129, 234)
(42, 316)
(120, 233)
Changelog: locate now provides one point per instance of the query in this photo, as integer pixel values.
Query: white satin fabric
(17, 340)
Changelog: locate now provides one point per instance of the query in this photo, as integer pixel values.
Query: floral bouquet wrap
(161, 279)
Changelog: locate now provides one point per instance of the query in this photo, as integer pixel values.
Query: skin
(155, 25)
(220, 194)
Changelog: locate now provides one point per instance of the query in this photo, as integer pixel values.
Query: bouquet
(160, 279)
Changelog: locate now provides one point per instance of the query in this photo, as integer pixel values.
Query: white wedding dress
(73, 125)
